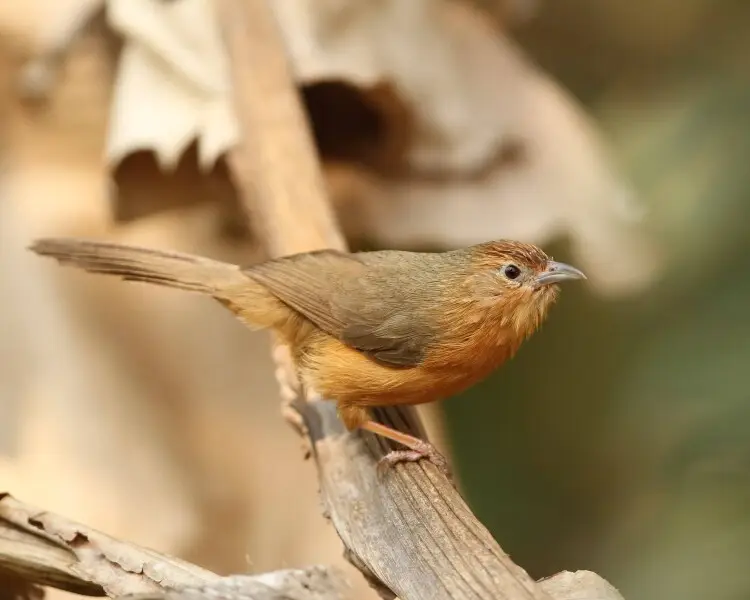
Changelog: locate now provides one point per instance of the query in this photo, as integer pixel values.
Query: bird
(365, 329)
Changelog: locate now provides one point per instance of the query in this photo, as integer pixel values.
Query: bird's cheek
(486, 287)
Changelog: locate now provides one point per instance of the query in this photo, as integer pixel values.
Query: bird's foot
(419, 451)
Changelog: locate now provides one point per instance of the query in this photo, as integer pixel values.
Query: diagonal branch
(411, 534)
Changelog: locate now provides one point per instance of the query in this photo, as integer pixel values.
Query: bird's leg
(418, 449)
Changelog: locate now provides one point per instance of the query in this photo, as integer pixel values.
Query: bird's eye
(512, 271)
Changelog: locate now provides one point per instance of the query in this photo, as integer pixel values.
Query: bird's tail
(170, 269)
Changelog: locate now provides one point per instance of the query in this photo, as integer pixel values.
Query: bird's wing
(361, 299)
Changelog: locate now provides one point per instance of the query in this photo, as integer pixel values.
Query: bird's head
(517, 283)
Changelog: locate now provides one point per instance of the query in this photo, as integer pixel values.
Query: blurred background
(616, 134)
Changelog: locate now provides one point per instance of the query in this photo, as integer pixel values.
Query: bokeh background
(616, 134)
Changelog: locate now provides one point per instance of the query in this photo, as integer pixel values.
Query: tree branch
(40, 548)
(411, 534)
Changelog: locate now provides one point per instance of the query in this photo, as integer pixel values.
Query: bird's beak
(557, 272)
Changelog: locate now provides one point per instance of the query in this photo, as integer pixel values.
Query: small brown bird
(366, 329)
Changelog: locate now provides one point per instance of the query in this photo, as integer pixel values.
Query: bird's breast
(341, 373)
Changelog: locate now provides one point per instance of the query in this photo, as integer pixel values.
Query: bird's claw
(424, 450)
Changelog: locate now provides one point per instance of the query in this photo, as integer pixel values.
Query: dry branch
(581, 585)
(294, 584)
(411, 534)
(40, 548)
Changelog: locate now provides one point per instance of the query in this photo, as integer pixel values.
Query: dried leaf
(143, 188)
(487, 146)
(172, 82)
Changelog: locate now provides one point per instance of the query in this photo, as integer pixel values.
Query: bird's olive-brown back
(385, 304)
